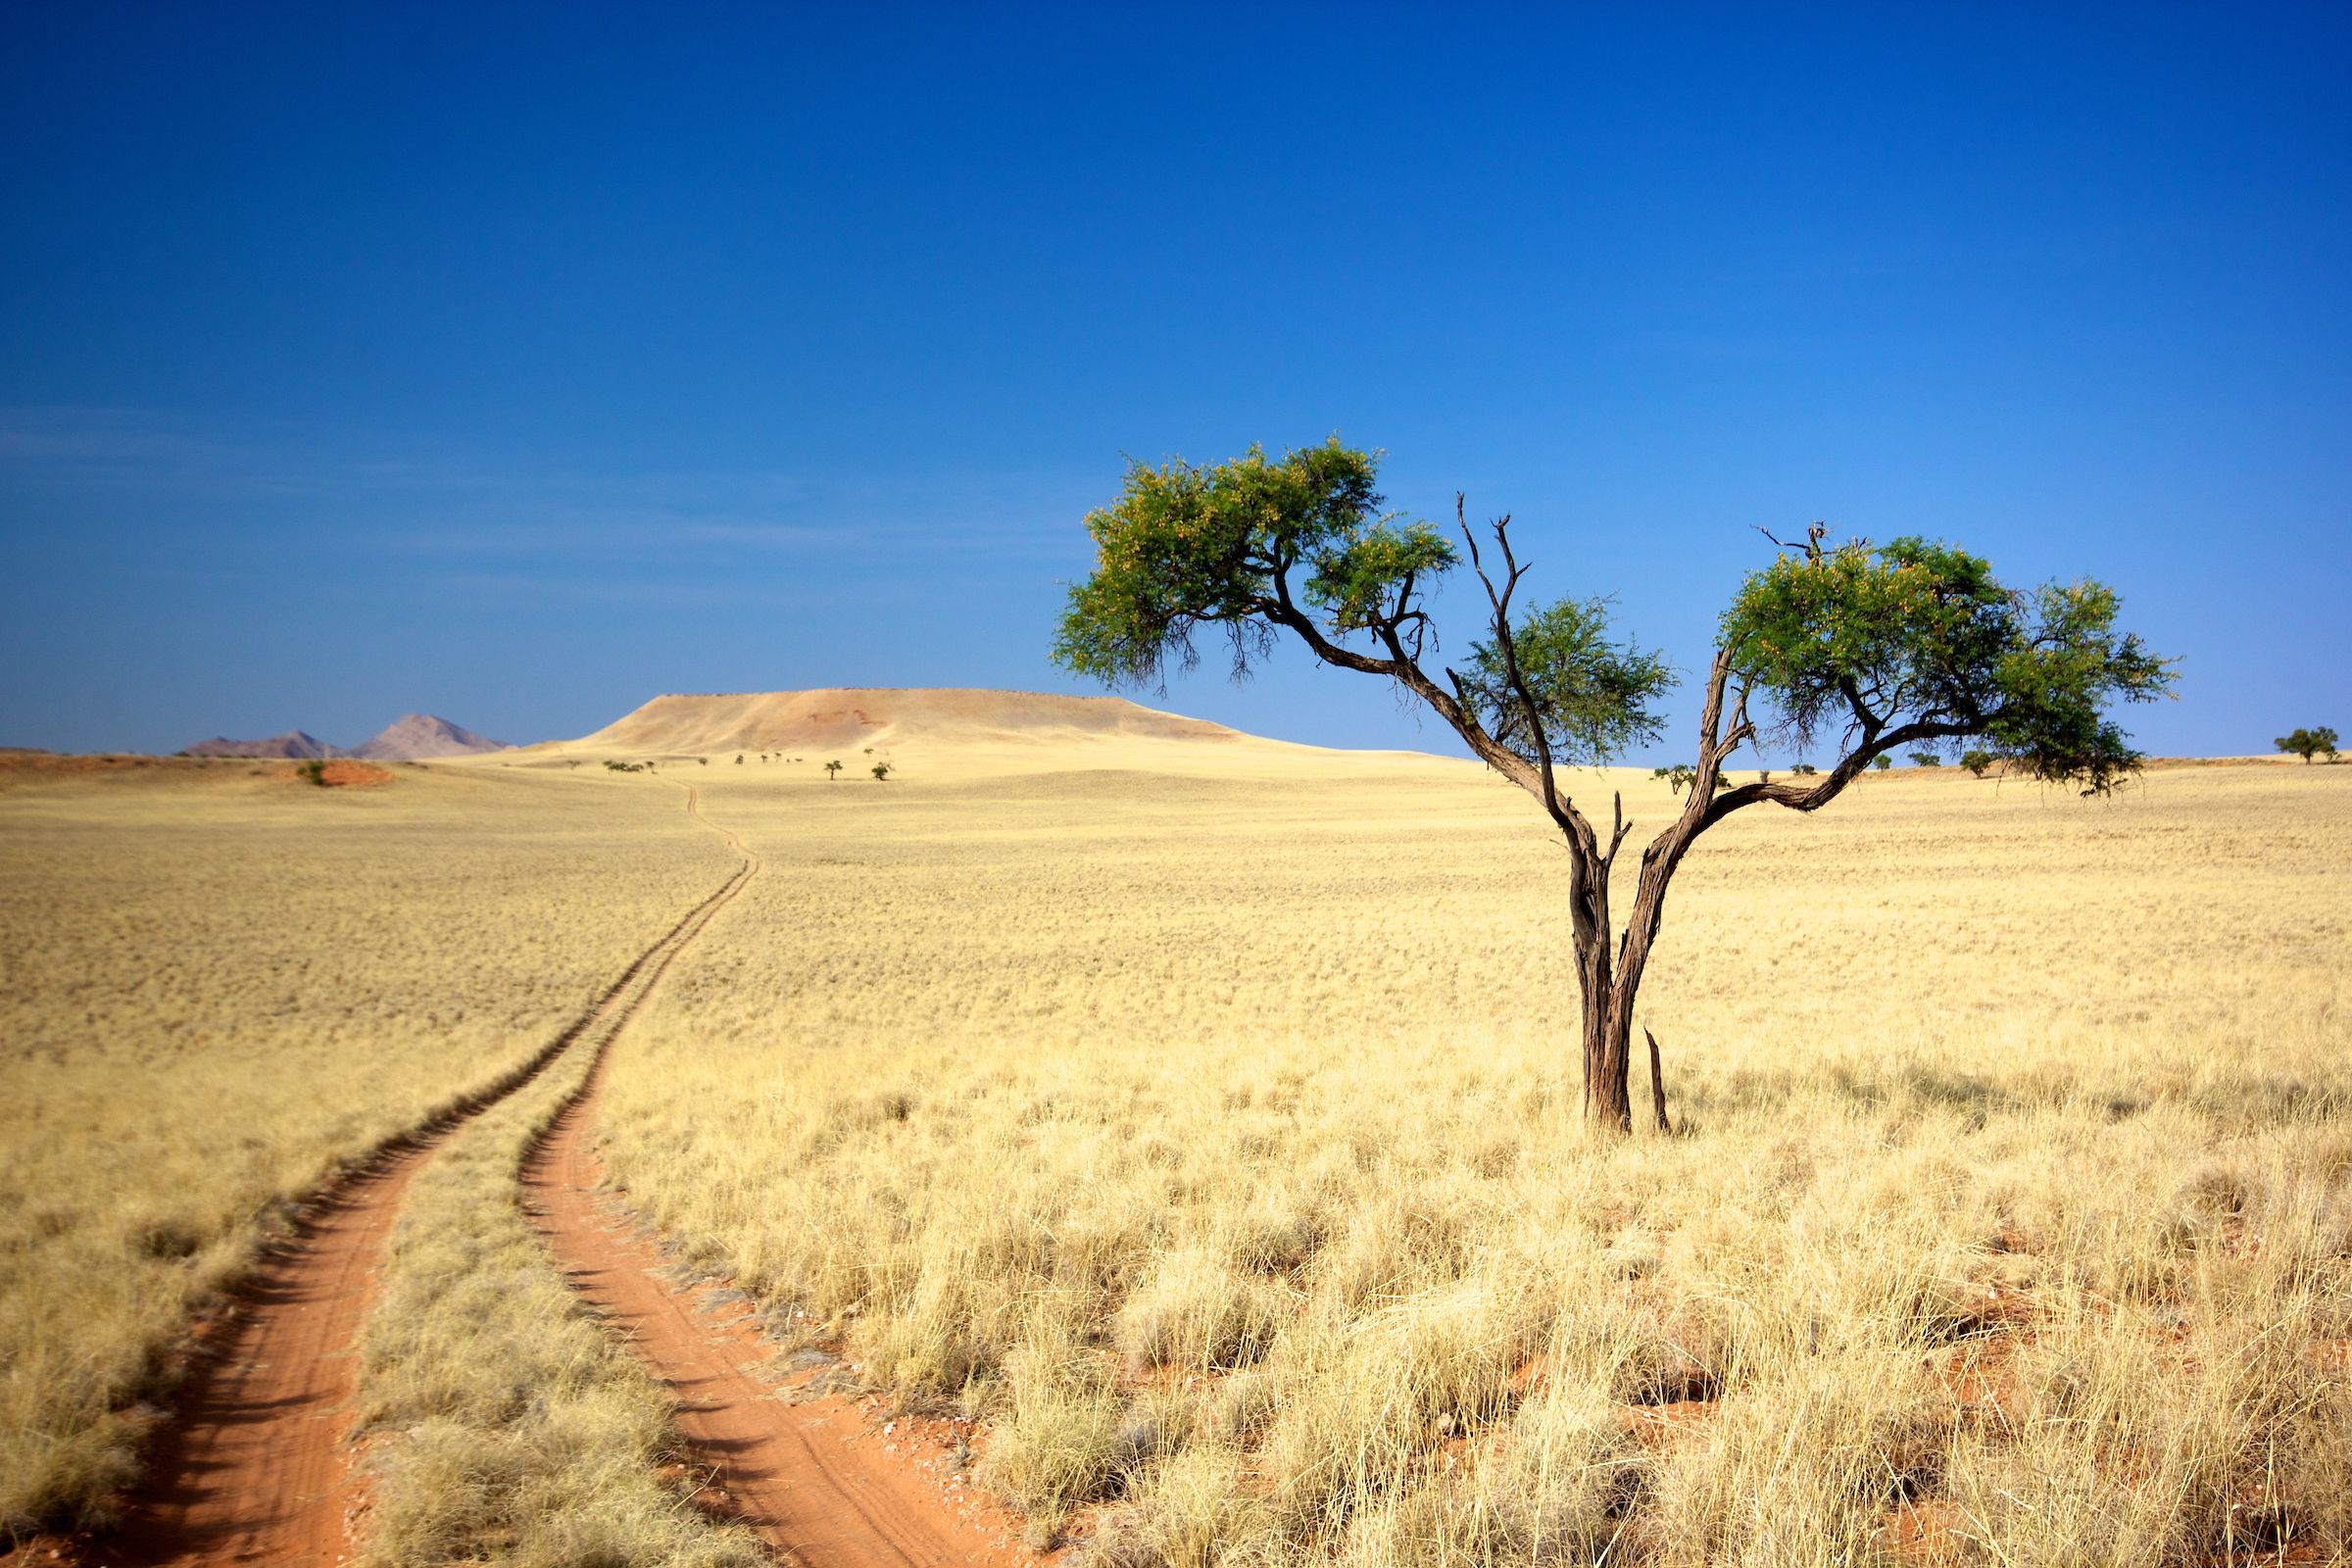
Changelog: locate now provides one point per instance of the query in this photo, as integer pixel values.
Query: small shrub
(1925, 760)
(881, 771)
(1976, 760)
(316, 771)
(1882, 762)
(1059, 1445)
(1807, 770)
(1200, 1314)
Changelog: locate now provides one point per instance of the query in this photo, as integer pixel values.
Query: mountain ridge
(412, 737)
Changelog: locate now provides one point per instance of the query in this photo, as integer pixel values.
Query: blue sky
(518, 363)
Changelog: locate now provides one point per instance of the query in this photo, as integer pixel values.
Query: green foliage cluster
(316, 771)
(1977, 761)
(1912, 635)
(881, 771)
(2309, 742)
(1596, 696)
(1188, 547)
(832, 771)
(627, 767)
(1678, 777)
(1260, 544)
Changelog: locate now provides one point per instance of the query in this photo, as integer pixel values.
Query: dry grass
(507, 1427)
(1209, 1133)
(215, 986)
(1202, 1121)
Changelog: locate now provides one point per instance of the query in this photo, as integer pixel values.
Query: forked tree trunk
(1611, 982)
(1605, 1006)
(1609, 1081)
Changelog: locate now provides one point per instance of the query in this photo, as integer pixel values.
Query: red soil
(255, 1469)
(829, 1481)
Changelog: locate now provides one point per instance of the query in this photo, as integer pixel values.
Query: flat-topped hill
(868, 716)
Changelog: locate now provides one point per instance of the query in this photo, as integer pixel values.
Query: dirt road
(792, 1472)
(816, 1487)
(253, 1467)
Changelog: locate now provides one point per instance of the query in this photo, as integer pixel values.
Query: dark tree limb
(1657, 1084)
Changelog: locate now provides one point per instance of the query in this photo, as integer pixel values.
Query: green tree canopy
(1910, 641)
(1252, 547)
(2308, 742)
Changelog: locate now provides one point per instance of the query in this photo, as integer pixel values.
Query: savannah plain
(1163, 1146)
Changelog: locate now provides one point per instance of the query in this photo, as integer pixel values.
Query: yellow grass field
(1210, 1131)
(1203, 1116)
(215, 983)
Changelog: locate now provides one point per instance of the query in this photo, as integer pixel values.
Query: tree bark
(1657, 1084)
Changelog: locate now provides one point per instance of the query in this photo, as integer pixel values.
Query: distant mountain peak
(414, 736)
(299, 745)
(408, 737)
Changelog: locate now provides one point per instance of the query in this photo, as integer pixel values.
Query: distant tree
(739, 759)
(2309, 742)
(1882, 761)
(1885, 646)
(1804, 771)
(706, 762)
(1678, 777)
(1925, 760)
(1977, 761)
(316, 771)
(571, 761)
(1764, 776)
(832, 771)
(881, 771)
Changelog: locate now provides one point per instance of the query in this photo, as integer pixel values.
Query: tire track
(787, 1471)
(252, 1466)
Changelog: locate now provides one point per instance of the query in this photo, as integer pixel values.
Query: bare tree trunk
(1608, 1099)
(1608, 1087)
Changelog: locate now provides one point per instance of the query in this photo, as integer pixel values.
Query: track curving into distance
(788, 1471)
(253, 1467)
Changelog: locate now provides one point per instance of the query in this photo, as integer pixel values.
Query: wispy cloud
(457, 507)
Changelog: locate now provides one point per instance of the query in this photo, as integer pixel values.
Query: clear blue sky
(518, 363)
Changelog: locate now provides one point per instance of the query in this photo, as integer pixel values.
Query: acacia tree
(1875, 646)
(2308, 742)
